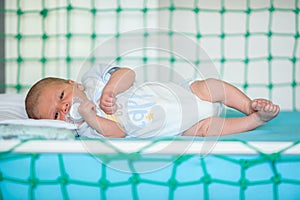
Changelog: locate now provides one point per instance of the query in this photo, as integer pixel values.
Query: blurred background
(253, 44)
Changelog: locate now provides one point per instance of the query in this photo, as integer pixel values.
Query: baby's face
(55, 101)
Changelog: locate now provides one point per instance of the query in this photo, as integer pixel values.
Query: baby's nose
(65, 107)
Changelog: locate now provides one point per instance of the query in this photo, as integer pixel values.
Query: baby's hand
(108, 103)
(87, 110)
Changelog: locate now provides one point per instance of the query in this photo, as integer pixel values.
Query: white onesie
(150, 109)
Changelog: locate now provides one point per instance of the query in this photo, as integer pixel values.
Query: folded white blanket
(12, 106)
(40, 123)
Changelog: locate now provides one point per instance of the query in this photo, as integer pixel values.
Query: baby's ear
(78, 85)
(71, 82)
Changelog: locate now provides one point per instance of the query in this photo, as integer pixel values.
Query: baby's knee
(204, 128)
(199, 129)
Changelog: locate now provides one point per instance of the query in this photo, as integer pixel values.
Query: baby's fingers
(87, 106)
(109, 101)
(109, 109)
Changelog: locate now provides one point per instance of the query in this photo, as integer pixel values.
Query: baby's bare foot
(265, 109)
(258, 104)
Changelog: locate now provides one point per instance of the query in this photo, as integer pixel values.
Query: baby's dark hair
(34, 93)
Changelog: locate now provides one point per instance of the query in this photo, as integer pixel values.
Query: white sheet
(12, 112)
(40, 123)
(12, 106)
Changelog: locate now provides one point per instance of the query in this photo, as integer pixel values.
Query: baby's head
(50, 98)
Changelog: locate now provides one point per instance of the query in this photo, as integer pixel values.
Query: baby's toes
(273, 108)
(266, 101)
(259, 101)
(277, 109)
(254, 104)
(268, 108)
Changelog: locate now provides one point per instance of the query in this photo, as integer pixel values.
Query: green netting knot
(44, 13)
(206, 179)
(20, 12)
(105, 159)
(18, 87)
(144, 10)
(276, 179)
(245, 164)
(222, 36)
(223, 10)
(246, 85)
(247, 34)
(63, 179)
(45, 36)
(68, 59)
(270, 34)
(43, 60)
(197, 62)
(198, 36)
(243, 183)
(172, 59)
(119, 58)
(33, 182)
(119, 9)
(145, 59)
(18, 36)
(146, 34)
(248, 11)
(103, 184)
(275, 157)
(246, 61)
(117, 35)
(134, 179)
(94, 35)
(35, 156)
(69, 35)
(270, 86)
(134, 156)
(170, 33)
(223, 60)
(92, 59)
(196, 10)
(93, 11)
(296, 11)
(172, 8)
(172, 183)
(271, 9)
(19, 59)
(294, 84)
(297, 35)
(180, 159)
(270, 57)
(69, 7)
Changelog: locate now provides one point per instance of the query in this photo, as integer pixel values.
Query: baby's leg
(259, 111)
(215, 90)
(217, 126)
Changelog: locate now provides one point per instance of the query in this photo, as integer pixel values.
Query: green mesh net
(174, 176)
(254, 45)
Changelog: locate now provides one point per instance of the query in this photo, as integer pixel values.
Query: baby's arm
(119, 82)
(106, 127)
